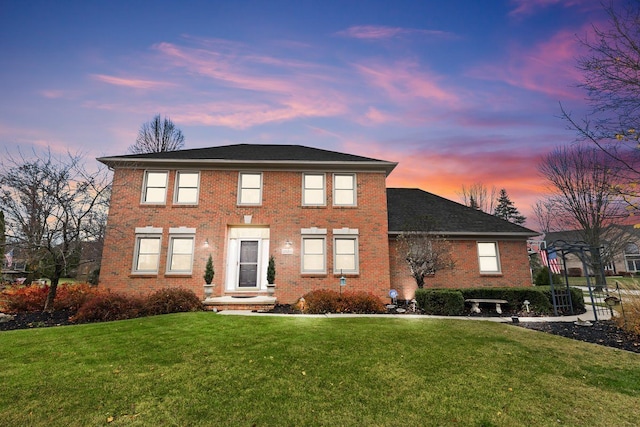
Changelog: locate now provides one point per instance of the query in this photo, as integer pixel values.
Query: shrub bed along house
(328, 301)
(91, 303)
(450, 302)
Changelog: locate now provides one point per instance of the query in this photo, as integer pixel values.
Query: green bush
(328, 301)
(541, 277)
(443, 302)
(109, 306)
(539, 301)
(171, 300)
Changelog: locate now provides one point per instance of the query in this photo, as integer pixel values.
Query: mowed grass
(206, 369)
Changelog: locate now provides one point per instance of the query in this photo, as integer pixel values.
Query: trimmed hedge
(442, 302)
(450, 302)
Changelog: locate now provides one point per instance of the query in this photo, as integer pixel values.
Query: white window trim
(313, 233)
(142, 233)
(240, 188)
(143, 196)
(180, 233)
(496, 256)
(177, 188)
(324, 189)
(355, 189)
(346, 234)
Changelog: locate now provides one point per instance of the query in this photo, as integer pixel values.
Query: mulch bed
(603, 332)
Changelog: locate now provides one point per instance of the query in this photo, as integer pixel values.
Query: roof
(404, 205)
(610, 233)
(243, 155)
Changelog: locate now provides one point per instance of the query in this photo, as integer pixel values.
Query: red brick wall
(514, 263)
(281, 211)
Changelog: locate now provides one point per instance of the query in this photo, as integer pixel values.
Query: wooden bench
(475, 304)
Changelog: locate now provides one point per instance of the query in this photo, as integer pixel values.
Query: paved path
(585, 316)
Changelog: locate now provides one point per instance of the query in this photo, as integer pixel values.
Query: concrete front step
(240, 302)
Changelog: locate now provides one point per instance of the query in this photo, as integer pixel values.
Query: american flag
(9, 257)
(550, 259)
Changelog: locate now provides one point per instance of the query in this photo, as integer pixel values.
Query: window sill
(345, 206)
(185, 275)
(153, 205)
(313, 206)
(184, 205)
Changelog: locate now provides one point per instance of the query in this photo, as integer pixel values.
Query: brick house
(323, 215)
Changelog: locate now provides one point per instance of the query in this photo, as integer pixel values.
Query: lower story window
(313, 255)
(147, 254)
(633, 263)
(180, 255)
(488, 257)
(345, 255)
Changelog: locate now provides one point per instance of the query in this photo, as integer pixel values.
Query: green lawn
(207, 369)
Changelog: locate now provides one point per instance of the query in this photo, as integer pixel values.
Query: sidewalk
(507, 319)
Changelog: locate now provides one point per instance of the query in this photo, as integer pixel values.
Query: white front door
(247, 259)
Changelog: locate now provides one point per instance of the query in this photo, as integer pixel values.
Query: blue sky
(457, 92)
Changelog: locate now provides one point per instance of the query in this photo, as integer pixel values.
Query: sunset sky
(457, 92)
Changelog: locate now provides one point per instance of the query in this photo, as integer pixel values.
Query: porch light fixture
(287, 244)
(343, 281)
(206, 243)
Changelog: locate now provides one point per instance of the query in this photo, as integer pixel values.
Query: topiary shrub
(328, 301)
(109, 306)
(171, 300)
(443, 302)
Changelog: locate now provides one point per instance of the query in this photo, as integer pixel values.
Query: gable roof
(243, 155)
(404, 205)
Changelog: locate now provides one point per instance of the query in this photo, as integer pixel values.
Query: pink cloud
(549, 68)
(378, 32)
(131, 83)
(403, 81)
(529, 7)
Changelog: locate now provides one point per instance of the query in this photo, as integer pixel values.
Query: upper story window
(147, 251)
(488, 257)
(250, 188)
(180, 256)
(187, 187)
(313, 191)
(344, 190)
(155, 187)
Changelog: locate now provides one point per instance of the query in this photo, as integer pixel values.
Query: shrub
(73, 296)
(574, 272)
(171, 300)
(542, 277)
(327, 301)
(630, 322)
(361, 302)
(21, 299)
(443, 302)
(109, 306)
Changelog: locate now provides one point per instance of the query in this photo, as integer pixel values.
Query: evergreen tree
(506, 209)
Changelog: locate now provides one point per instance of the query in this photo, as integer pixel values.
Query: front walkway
(507, 319)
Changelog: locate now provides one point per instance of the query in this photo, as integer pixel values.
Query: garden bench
(475, 304)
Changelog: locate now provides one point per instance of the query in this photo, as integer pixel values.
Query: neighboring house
(621, 249)
(321, 214)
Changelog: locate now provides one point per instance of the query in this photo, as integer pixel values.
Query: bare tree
(611, 79)
(157, 136)
(478, 197)
(584, 195)
(424, 250)
(51, 206)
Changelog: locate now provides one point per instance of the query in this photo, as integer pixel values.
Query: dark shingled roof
(270, 152)
(450, 218)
